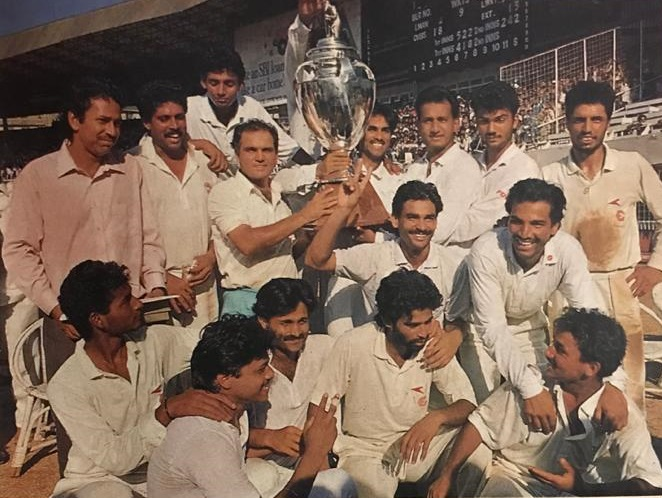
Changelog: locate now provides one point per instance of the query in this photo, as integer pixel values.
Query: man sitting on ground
(389, 431)
(579, 457)
(200, 457)
(283, 308)
(108, 394)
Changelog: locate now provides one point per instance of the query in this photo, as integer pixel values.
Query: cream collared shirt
(180, 207)
(289, 399)
(458, 179)
(238, 202)
(201, 122)
(599, 457)
(602, 212)
(109, 419)
(368, 264)
(381, 400)
(513, 166)
(504, 300)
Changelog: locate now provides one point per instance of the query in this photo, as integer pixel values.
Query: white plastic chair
(28, 368)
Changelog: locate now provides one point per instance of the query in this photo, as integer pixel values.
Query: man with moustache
(179, 182)
(416, 206)
(206, 458)
(82, 202)
(505, 282)
(502, 163)
(454, 172)
(255, 228)
(603, 187)
(390, 434)
(578, 458)
(215, 115)
(108, 393)
(282, 308)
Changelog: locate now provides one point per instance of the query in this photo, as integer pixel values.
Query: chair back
(28, 363)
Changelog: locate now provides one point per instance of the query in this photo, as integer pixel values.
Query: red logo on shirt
(620, 215)
(615, 202)
(418, 389)
(502, 194)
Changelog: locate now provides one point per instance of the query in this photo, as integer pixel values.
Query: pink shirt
(59, 216)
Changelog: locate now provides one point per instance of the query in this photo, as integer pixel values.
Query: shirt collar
(64, 163)
(148, 152)
(89, 370)
(248, 187)
(400, 260)
(207, 115)
(379, 351)
(380, 171)
(504, 158)
(610, 163)
(585, 411)
(447, 157)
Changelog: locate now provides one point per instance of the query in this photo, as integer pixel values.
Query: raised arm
(320, 251)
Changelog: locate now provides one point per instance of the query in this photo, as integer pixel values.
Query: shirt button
(586, 190)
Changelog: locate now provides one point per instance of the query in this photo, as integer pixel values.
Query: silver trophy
(335, 91)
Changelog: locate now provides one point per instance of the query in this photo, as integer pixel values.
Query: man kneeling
(203, 458)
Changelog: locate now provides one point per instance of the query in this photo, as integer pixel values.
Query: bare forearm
(259, 438)
(320, 249)
(455, 414)
(254, 240)
(465, 444)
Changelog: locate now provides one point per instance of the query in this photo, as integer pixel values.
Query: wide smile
(421, 237)
(524, 245)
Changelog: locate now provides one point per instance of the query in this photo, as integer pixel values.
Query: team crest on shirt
(620, 215)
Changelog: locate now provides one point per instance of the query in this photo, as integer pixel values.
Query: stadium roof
(132, 42)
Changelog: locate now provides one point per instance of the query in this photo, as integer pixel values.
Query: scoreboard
(452, 33)
(433, 36)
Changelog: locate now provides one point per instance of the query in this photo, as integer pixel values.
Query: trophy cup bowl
(336, 93)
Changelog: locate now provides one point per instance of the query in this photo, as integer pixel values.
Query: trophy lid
(329, 47)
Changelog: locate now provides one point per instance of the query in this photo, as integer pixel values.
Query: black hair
(599, 337)
(388, 113)
(253, 125)
(81, 94)
(590, 92)
(226, 346)
(415, 190)
(494, 96)
(222, 59)
(156, 93)
(89, 288)
(280, 296)
(437, 94)
(403, 292)
(536, 190)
